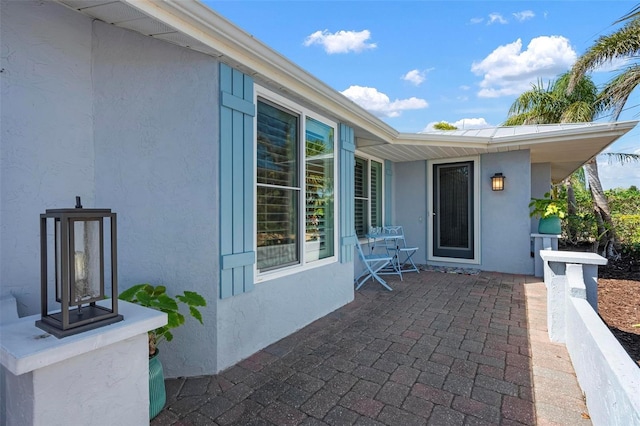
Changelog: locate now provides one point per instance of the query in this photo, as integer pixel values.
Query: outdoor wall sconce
(497, 182)
(80, 254)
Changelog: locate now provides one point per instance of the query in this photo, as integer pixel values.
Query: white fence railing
(609, 378)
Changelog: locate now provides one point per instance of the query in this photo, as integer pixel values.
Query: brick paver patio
(441, 349)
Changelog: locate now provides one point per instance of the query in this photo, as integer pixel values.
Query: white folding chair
(403, 253)
(373, 263)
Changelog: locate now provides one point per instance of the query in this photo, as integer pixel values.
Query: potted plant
(156, 297)
(550, 211)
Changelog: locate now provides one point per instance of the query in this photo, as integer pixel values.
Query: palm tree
(622, 44)
(552, 104)
(555, 104)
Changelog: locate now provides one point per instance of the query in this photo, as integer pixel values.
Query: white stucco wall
(46, 153)
(156, 135)
(59, 393)
(505, 238)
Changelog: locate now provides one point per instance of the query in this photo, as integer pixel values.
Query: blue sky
(414, 63)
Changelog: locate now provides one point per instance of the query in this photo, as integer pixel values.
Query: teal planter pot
(157, 393)
(550, 225)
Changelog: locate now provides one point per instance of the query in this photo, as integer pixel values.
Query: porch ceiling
(565, 146)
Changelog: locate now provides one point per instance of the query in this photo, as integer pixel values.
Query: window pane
(361, 191)
(278, 208)
(319, 240)
(277, 146)
(277, 227)
(376, 194)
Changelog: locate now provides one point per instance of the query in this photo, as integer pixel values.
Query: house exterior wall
(156, 143)
(501, 213)
(540, 184)
(411, 189)
(276, 308)
(505, 237)
(132, 124)
(47, 154)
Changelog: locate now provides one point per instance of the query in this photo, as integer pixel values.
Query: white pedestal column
(542, 242)
(99, 377)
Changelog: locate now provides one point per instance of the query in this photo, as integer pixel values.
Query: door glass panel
(453, 219)
(454, 206)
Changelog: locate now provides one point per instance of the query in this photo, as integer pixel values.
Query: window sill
(293, 269)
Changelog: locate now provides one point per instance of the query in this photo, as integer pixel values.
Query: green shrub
(583, 225)
(631, 252)
(627, 227)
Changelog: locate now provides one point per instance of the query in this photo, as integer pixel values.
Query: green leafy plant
(156, 297)
(547, 206)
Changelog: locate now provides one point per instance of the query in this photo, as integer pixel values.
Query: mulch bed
(619, 302)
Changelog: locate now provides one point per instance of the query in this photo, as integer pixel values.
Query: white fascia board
(589, 130)
(198, 21)
(443, 140)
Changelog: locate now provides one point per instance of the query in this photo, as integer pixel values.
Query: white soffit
(125, 16)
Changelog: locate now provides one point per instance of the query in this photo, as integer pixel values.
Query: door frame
(476, 210)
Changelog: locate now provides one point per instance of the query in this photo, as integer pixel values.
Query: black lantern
(81, 253)
(497, 182)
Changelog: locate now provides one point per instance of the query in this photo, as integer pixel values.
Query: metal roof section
(191, 24)
(565, 146)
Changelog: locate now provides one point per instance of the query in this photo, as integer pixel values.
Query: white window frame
(370, 158)
(476, 211)
(303, 113)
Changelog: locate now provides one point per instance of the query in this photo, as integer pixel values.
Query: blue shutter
(347, 166)
(237, 255)
(388, 182)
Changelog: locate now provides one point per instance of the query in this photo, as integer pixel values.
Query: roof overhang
(193, 25)
(565, 146)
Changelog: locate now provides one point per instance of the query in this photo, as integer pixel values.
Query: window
(295, 208)
(368, 195)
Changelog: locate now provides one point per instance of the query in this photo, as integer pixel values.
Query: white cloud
(462, 124)
(472, 123)
(476, 20)
(509, 70)
(496, 18)
(465, 87)
(379, 104)
(415, 77)
(341, 41)
(524, 15)
(616, 175)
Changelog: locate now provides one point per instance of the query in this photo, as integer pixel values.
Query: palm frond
(621, 157)
(633, 14)
(615, 93)
(578, 112)
(621, 44)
